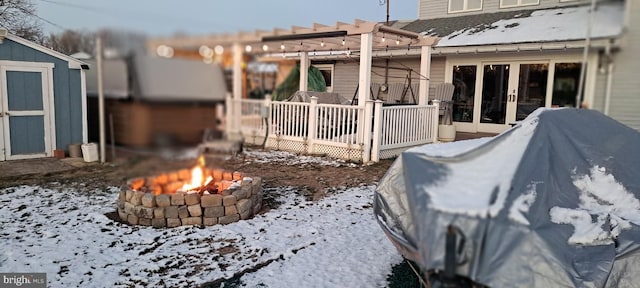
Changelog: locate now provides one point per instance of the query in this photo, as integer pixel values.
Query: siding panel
(431, 9)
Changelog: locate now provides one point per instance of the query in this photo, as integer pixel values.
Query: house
(508, 57)
(157, 101)
(42, 100)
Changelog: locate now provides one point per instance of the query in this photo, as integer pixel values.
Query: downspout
(587, 43)
(607, 96)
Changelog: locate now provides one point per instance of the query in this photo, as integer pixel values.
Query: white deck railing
(368, 133)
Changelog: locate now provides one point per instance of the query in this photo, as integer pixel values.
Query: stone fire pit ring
(156, 202)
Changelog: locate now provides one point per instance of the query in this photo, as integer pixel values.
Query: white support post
(377, 131)
(425, 68)
(266, 114)
(313, 123)
(435, 120)
(229, 119)
(367, 135)
(235, 113)
(100, 100)
(304, 71)
(364, 82)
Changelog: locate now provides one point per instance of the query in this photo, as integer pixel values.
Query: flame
(197, 176)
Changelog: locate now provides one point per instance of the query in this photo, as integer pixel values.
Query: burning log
(210, 188)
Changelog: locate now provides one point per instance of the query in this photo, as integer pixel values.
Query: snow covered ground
(334, 242)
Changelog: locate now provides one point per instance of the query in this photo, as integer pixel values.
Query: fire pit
(199, 196)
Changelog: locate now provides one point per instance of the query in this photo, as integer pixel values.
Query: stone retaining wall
(240, 201)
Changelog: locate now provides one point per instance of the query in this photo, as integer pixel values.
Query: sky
(164, 18)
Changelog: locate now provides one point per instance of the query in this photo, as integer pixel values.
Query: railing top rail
(340, 106)
(404, 107)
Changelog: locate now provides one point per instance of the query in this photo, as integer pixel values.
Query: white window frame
(520, 4)
(327, 67)
(465, 7)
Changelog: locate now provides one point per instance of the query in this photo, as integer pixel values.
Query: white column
(304, 71)
(377, 131)
(364, 82)
(367, 135)
(234, 111)
(313, 123)
(425, 72)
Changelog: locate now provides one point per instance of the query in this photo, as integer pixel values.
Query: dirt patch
(313, 179)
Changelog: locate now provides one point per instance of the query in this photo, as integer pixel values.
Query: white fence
(357, 133)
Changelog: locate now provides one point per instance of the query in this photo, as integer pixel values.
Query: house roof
(73, 62)
(523, 26)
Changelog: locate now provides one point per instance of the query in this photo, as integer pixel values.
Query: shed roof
(73, 62)
(523, 26)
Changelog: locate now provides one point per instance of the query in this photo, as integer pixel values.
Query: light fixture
(383, 39)
(204, 50)
(164, 51)
(282, 46)
(398, 41)
(265, 47)
(248, 48)
(218, 49)
(343, 40)
(322, 43)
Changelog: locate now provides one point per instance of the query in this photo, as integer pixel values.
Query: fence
(357, 133)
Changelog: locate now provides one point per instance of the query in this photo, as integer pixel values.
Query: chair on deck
(444, 93)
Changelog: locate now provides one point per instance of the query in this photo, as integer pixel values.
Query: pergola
(361, 38)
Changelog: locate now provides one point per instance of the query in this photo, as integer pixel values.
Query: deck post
(313, 124)
(304, 71)
(377, 131)
(367, 135)
(425, 74)
(435, 121)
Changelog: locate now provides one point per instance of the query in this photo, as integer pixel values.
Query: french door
(509, 93)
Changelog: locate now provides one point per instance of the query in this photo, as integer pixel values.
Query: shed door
(24, 110)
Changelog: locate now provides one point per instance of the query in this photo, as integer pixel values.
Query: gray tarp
(552, 202)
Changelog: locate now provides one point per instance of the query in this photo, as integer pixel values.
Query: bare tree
(19, 17)
(69, 42)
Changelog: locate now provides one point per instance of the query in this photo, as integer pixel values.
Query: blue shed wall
(67, 90)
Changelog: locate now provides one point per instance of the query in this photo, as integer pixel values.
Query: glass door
(497, 97)
(510, 92)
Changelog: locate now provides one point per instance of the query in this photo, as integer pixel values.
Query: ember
(200, 196)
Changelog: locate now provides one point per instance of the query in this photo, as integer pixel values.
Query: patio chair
(444, 93)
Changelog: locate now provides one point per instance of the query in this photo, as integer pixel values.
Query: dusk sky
(163, 17)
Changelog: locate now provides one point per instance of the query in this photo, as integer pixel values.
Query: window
(327, 73)
(565, 84)
(516, 3)
(464, 5)
(464, 80)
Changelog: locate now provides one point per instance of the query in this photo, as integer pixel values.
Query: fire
(197, 176)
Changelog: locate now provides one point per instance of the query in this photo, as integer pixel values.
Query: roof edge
(73, 62)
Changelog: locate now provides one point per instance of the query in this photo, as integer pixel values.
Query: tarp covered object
(552, 202)
(291, 84)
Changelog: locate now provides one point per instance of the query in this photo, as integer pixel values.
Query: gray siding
(66, 91)
(625, 96)
(599, 92)
(346, 74)
(431, 9)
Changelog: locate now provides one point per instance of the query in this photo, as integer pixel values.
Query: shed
(42, 100)
(155, 101)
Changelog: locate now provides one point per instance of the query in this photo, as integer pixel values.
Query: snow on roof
(546, 25)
